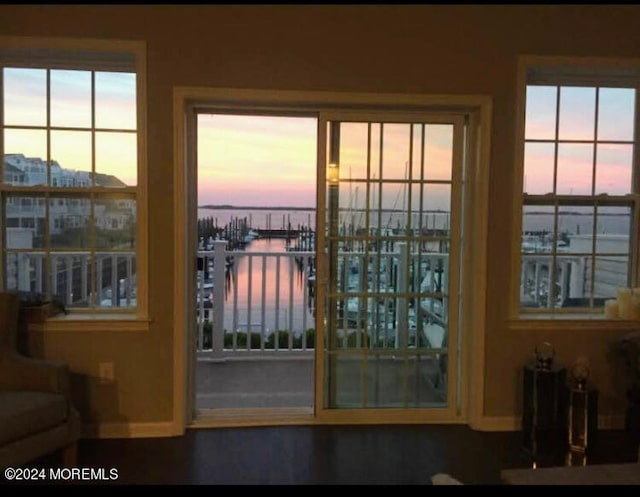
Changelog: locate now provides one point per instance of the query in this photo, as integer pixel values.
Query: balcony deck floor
(288, 382)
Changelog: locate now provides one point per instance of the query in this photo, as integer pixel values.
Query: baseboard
(168, 428)
(128, 430)
(514, 423)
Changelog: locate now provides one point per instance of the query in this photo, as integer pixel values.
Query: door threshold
(272, 416)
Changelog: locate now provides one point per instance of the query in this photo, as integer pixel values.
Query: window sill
(92, 322)
(571, 322)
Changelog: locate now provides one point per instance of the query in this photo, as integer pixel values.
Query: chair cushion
(26, 413)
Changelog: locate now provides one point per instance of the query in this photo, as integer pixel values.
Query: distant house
(64, 213)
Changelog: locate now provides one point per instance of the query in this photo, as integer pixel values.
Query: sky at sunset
(256, 160)
(271, 161)
(577, 121)
(25, 104)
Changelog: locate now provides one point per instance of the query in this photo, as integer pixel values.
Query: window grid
(93, 193)
(558, 200)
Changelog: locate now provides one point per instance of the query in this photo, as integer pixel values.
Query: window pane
(417, 381)
(70, 278)
(116, 160)
(534, 289)
(115, 280)
(69, 222)
(347, 380)
(613, 169)
(127, 280)
(437, 197)
(577, 113)
(417, 215)
(355, 315)
(614, 227)
(611, 273)
(353, 151)
(25, 97)
(431, 374)
(115, 100)
(572, 288)
(538, 229)
(538, 168)
(375, 151)
(25, 225)
(616, 108)
(115, 223)
(351, 200)
(438, 152)
(395, 151)
(433, 309)
(575, 169)
(437, 209)
(575, 228)
(394, 205)
(25, 156)
(71, 99)
(540, 119)
(435, 329)
(71, 159)
(25, 271)
(431, 211)
(417, 152)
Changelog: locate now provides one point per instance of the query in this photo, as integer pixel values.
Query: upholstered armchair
(36, 415)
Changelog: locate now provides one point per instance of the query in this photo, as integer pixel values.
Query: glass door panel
(392, 240)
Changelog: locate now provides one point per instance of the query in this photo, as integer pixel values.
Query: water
(292, 310)
(279, 219)
(578, 224)
(262, 219)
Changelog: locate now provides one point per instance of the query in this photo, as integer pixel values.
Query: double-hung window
(579, 184)
(72, 157)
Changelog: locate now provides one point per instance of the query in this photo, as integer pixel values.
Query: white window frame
(570, 71)
(92, 55)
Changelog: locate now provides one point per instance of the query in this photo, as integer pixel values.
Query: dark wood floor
(328, 455)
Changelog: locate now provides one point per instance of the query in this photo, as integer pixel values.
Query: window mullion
(3, 193)
(594, 234)
(555, 144)
(594, 230)
(551, 292)
(594, 154)
(48, 263)
(93, 294)
(635, 184)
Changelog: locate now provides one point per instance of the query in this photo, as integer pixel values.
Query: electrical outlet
(105, 373)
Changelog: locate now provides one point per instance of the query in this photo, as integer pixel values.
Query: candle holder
(583, 408)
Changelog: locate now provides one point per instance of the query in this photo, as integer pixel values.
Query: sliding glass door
(392, 245)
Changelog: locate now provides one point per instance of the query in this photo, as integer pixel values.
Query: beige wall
(421, 49)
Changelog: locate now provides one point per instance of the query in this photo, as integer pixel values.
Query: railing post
(217, 324)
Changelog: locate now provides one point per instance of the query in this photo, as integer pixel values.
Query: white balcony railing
(254, 301)
(266, 305)
(115, 277)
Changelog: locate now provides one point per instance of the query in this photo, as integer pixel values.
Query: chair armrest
(18, 372)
